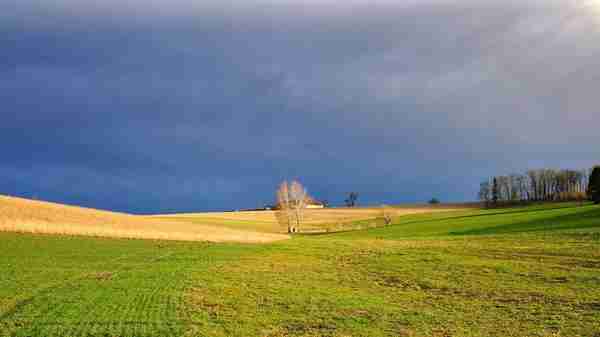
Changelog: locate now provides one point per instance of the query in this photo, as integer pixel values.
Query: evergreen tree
(495, 191)
(594, 185)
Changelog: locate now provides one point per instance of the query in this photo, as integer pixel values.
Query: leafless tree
(523, 184)
(515, 187)
(291, 202)
(386, 214)
(283, 212)
(539, 185)
(351, 201)
(485, 192)
(298, 198)
(503, 187)
(534, 181)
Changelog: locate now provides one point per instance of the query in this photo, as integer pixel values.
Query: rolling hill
(32, 216)
(526, 271)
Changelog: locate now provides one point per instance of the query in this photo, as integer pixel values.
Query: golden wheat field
(29, 216)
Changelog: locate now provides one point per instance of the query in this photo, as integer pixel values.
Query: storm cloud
(156, 106)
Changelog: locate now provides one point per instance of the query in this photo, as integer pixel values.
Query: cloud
(202, 105)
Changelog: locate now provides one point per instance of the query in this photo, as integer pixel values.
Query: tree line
(542, 185)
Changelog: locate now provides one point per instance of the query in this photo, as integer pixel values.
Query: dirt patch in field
(101, 276)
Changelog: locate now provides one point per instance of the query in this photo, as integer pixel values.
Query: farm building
(313, 203)
(310, 203)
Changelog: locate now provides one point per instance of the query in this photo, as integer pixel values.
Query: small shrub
(434, 201)
(386, 215)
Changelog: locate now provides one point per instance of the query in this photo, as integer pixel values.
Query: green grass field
(531, 271)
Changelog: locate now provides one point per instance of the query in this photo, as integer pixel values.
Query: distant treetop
(434, 201)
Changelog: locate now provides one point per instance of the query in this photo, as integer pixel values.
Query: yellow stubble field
(313, 220)
(38, 217)
(32, 216)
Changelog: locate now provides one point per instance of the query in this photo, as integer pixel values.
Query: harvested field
(313, 219)
(29, 216)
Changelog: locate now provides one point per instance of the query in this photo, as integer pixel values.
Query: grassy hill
(532, 271)
(538, 218)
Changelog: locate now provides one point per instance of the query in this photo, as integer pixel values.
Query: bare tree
(283, 213)
(523, 187)
(515, 187)
(298, 198)
(485, 192)
(534, 182)
(291, 202)
(537, 185)
(504, 187)
(351, 201)
(386, 214)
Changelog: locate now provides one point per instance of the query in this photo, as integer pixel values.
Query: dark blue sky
(161, 106)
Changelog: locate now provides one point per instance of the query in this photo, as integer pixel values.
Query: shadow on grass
(581, 220)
